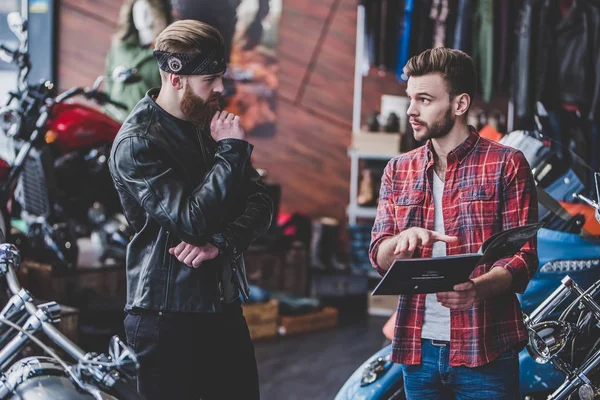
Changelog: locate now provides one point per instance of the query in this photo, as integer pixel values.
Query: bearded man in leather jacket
(182, 170)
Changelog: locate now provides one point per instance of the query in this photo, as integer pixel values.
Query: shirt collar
(461, 151)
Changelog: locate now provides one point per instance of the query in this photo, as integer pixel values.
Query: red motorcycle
(53, 166)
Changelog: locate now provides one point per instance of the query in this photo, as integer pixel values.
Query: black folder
(440, 274)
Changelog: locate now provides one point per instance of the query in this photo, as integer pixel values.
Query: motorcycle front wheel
(4, 226)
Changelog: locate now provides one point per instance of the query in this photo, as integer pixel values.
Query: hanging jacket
(422, 38)
(404, 52)
(439, 13)
(483, 47)
(567, 58)
(578, 48)
(462, 29)
(523, 71)
(129, 55)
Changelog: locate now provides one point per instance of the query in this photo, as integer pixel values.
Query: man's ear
(461, 104)
(176, 81)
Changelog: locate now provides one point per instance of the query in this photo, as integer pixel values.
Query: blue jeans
(435, 379)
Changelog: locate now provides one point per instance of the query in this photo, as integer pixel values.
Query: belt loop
(439, 343)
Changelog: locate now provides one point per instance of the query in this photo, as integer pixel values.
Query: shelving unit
(354, 210)
(355, 152)
(359, 148)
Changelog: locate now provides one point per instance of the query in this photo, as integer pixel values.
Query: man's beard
(438, 128)
(198, 111)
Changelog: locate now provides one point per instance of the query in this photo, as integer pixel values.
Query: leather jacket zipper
(241, 286)
(199, 136)
(168, 271)
(220, 286)
(218, 272)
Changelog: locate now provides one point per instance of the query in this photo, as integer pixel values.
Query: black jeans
(193, 356)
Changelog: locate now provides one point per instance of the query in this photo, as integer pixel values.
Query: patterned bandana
(205, 63)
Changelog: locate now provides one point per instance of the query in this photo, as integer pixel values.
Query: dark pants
(435, 379)
(193, 356)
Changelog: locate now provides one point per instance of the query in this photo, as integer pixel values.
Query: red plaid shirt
(488, 188)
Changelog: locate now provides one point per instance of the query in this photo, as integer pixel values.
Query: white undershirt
(436, 323)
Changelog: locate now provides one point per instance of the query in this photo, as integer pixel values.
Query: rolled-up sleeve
(519, 207)
(384, 226)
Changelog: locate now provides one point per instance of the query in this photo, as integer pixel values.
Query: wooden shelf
(352, 152)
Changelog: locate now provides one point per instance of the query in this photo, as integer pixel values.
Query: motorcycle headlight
(547, 339)
(570, 265)
(10, 121)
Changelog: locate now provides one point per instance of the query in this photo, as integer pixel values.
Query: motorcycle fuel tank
(4, 169)
(74, 126)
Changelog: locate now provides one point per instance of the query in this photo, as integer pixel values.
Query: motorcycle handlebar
(69, 93)
(104, 98)
(100, 97)
(9, 260)
(53, 333)
(11, 53)
(551, 302)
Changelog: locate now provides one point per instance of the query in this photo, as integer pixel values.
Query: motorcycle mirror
(126, 75)
(98, 82)
(17, 25)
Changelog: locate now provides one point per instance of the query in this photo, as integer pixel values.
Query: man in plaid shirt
(445, 198)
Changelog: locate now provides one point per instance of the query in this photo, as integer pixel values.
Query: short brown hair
(187, 36)
(455, 66)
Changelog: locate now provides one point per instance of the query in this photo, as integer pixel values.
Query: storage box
(319, 320)
(263, 331)
(42, 282)
(382, 305)
(258, 313)
(107, 281)
(45, 283)
(295, 270)
(264, 267)
(262, 319)
(376, 143)
(279, 270)
(69, 322)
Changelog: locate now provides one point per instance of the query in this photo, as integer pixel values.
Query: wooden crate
(68, 326)
(279, 270)
(45, 283)
(324, 319)
(383, 306)
(262, 319)
(108, 281)
(69, 322)
(265, 267)
(295, 270)
(258, 313)
(263, 331)
(380, 143)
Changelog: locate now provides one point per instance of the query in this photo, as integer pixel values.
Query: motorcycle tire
(4, 226)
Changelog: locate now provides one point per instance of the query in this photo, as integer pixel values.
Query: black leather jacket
(558, 58)
(177, 184)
